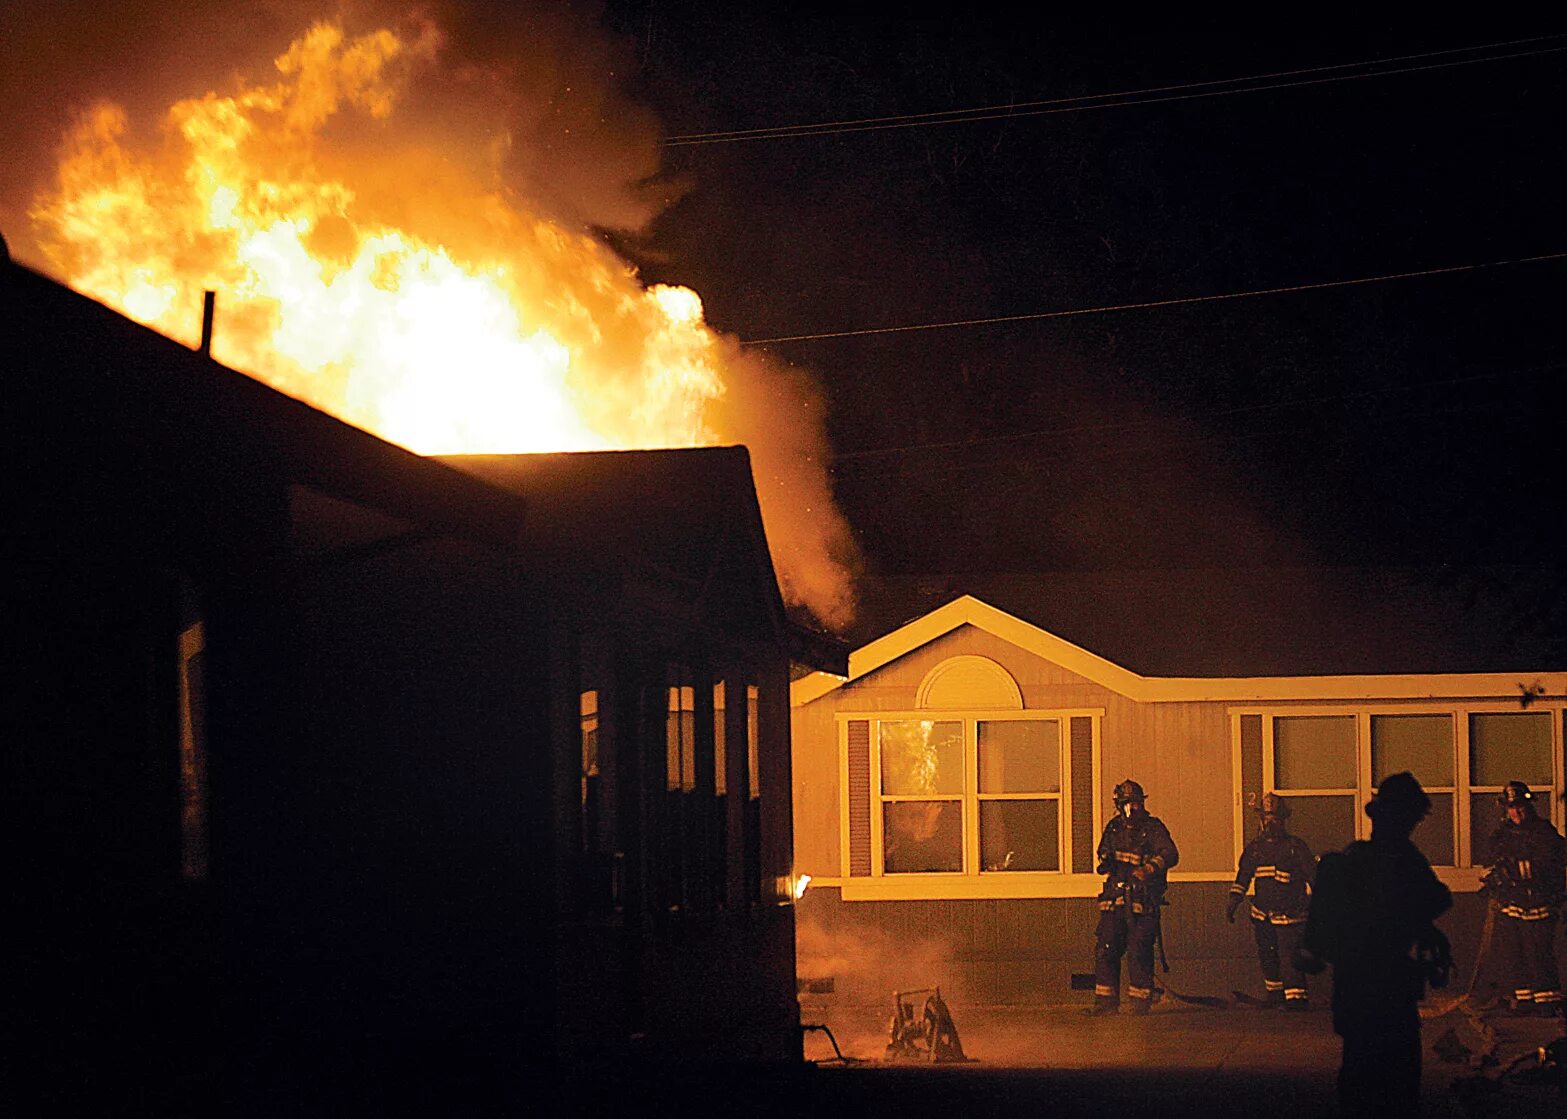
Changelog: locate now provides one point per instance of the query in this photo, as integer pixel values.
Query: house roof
(80, 375)
(687, 515)
(966, 610)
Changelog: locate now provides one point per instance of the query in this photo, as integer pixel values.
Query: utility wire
(1240, 410)
(1036, 316)
(1126, 452)
(1146, 96)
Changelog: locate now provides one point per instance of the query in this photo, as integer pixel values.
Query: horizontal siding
(1179, 752)
(1024, 952)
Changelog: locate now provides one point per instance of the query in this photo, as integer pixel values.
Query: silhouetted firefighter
(1135, 855)
(1282, 866)
(1371, 918)
(1524, 860)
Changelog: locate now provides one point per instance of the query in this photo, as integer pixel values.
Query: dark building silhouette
(329, 764)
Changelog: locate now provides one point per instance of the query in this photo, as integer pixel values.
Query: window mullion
(1363, 768)
(971, 862)
(1268, 756)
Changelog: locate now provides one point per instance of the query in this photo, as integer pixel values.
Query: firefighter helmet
(1515, 794)
(1272, 804)
(1400, 797)
(1129, 792)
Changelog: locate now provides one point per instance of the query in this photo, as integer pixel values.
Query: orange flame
(409, 294)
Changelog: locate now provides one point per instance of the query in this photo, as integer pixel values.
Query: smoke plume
(398, 205)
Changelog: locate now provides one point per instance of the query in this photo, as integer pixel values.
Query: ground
(1179, 1060)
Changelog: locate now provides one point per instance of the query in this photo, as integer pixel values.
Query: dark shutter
(1251, 774)
(859, 797)
(1082, 738)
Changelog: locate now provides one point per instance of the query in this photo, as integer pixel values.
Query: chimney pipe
(209, 302)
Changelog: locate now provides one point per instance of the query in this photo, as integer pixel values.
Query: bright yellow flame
(399, 286)
(540, 342)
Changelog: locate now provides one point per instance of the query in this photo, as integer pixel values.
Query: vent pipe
(209, 303)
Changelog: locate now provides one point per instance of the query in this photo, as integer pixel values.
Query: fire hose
(1127, 889)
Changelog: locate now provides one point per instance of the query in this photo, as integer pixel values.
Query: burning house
(326, 757)
(951, 790)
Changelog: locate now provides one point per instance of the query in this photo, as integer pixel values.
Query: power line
(1147, 96)
(1036, 316)
(1247, 409)
(1125, 452)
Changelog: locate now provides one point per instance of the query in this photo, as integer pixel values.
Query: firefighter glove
(1234, 904)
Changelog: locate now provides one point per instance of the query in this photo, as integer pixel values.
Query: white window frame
(971, 881)
(1464, 875)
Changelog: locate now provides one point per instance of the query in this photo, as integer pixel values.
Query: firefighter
(1283, 867)
(1135, 856)
(1524, 861)
(1372, 911)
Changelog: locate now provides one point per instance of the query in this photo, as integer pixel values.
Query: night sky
(1409, 422)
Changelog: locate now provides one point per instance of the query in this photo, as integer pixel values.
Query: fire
(407, 291)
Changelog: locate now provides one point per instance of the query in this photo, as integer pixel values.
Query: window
(680, 737)
(1330, 763)
(588, 706)
(720, 737)
(981, 794)
(1019, 794)
(1515, 746)
(752, 743)
(193, 753)
(1422, 745)
(752, 832)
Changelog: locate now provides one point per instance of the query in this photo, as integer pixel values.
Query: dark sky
(1410, 422)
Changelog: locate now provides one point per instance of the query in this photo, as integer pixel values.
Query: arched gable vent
(969, 682)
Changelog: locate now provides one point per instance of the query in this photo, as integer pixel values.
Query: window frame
(1464, 874)
(971, 881)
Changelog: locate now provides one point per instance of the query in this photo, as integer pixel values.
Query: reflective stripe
(1103, 991)
(1295, 992)
(1129, 857)
(1285, 919)
(1547, 996)
(1273, 984)
(1531, 913)
(1281, 876)
(1138, 992)
(1265, 871)
(1523, 994)
(1237, 889)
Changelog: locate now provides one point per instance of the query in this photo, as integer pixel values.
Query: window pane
(1485, 816)
(1419, 744)
(1020, 834)
(688, 739)
(1020, 757)
(922, 836)
(753, 755)
(720, 757)
(921, 758)
(1325, 823)
(1434, 834)
(1507, 747)
(672, 740)
(1314, 752)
